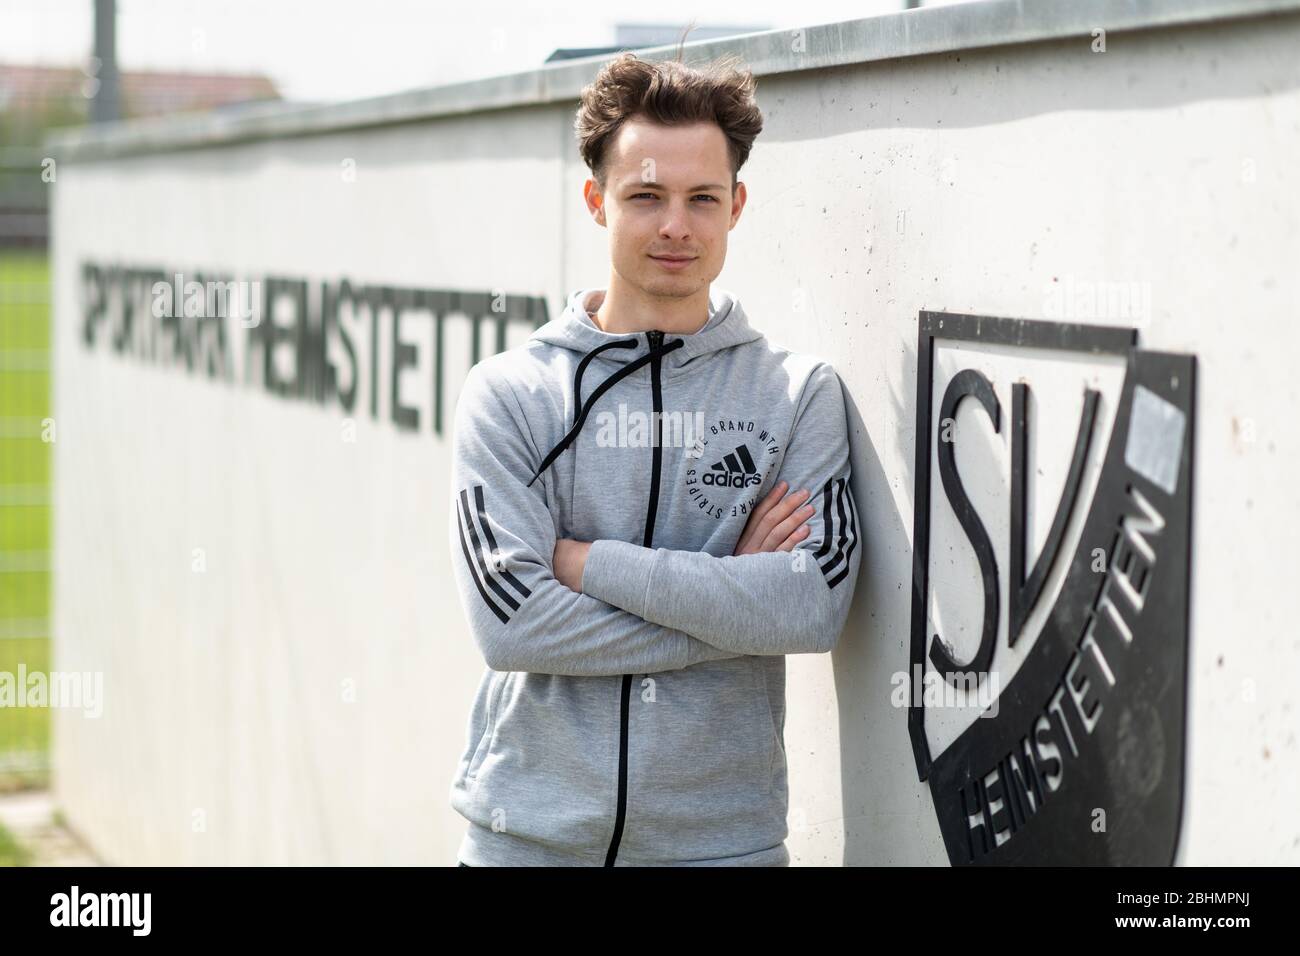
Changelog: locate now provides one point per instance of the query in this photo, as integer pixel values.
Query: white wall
(969, 181)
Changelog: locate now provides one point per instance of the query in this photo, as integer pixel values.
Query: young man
(631, 568)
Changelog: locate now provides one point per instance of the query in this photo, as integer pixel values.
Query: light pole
(105, 106)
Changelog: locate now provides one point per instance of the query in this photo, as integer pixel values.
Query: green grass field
(11, 852)
(24, 509)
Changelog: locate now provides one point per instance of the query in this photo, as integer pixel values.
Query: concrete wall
(262, 579)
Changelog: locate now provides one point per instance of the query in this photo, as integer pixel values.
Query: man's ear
(595, 199)
(738, 199)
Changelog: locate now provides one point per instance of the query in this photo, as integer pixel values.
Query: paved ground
(29, 816)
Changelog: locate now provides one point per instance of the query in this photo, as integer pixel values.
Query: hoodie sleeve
(502, 537)
(780, 602)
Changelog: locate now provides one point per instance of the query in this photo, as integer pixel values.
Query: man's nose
(676, 222)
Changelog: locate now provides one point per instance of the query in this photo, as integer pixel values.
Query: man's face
(667, 196)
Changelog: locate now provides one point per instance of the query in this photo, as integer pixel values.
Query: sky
(341, 49)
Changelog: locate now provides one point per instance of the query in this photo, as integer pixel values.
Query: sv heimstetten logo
(1052, 535)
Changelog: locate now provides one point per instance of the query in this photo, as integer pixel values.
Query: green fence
(25, 453)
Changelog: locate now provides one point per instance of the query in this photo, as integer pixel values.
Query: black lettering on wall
(973, 383)
(289, 332)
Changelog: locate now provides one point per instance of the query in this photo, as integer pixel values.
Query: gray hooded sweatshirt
(642, 721)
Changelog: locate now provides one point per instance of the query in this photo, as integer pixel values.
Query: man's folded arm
(502, 538)
(783, 602)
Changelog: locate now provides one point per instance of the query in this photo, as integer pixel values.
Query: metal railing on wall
(24, 199)
(24, 508)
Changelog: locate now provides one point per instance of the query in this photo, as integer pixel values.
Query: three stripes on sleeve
(837, 530)
(474, 521)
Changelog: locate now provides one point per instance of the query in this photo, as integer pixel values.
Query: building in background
(34, 99)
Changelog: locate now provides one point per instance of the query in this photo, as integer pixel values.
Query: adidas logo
(736, 470)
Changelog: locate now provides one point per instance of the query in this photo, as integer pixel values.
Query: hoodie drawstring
(601, 389)
(586, 360)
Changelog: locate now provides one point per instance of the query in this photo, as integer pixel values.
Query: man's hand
(569, 559)
(774, 526)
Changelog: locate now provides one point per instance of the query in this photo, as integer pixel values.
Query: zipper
(654, 339)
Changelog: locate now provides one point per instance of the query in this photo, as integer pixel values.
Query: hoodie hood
(574, 329)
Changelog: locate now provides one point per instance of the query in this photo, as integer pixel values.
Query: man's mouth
(674, 262)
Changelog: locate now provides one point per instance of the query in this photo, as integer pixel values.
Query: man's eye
(653, 196)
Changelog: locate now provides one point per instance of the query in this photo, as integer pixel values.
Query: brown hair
(670, 93)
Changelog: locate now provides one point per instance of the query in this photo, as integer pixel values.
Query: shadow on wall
(873, 735)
